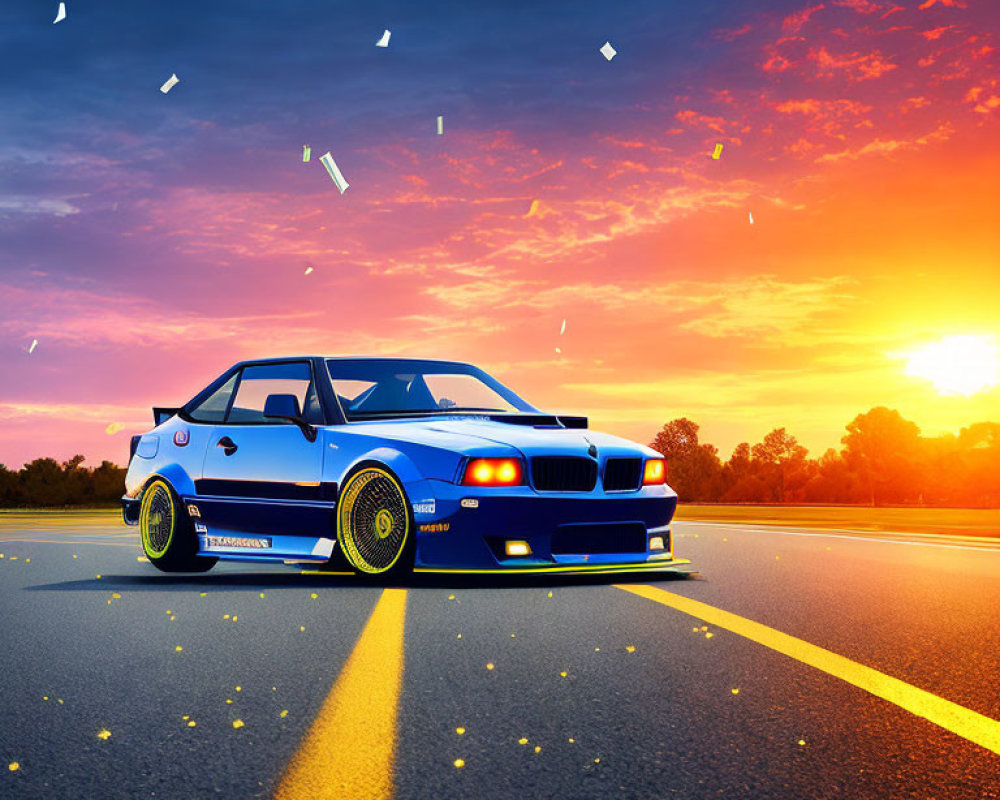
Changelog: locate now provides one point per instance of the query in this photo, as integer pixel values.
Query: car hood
(468, 434)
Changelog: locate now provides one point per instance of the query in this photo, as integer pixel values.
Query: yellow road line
(74, 542)
(968, 724)
(348, 752)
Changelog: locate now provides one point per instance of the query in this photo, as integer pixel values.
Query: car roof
(280, 359)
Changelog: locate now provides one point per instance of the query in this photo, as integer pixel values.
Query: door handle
(228, 445)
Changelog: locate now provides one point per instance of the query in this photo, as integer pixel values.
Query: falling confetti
(306, 153)
(571, 740)
(302, 628)
(192, 723)
(522, 740)
(115, 596)
(534, 209)
(559, 350)
(538, 748)
(550, 594)
(513, 636)
(384, 41)
(630, 648)
(608, 51)
(13, 766)
(178, 649)
(459, 636)
(313, 596)
(489, 666)
(334, 170)
(308, 271)
(34, 344)
(239, 688)
(104, 734)
(261, 595)
(225, 616)
(451, 597)
(802, 742)
(749, 214)
(562, 330)
(440, 125)
(459, 763)
(113, 428)
(284, 713)
(597, 761)
(735, 691)
(460, 730)
(563, 674)
(718, 152)
(170, 83)
(60, 14)
(237, 723)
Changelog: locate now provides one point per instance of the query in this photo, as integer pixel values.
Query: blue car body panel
(266, 492)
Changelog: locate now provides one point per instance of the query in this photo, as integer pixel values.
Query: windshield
(368, 388)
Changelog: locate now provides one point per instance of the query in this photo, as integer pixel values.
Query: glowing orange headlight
(655, 472)
(493, 472)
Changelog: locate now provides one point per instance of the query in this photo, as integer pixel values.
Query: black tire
(375, 530)
(165, 533)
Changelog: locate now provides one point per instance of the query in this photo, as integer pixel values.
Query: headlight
(493, 472)
(655, 472)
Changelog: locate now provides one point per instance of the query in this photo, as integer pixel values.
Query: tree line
(884, 461)
(45, 482)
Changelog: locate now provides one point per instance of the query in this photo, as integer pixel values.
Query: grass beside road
(980, 522)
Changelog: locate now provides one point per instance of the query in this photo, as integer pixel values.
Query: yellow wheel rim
(157, 519)
(373, 520)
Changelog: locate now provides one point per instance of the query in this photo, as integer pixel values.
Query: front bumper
(461, 528)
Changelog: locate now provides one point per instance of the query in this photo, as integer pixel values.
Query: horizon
(150, 240)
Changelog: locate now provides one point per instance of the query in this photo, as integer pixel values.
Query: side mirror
(286, 406)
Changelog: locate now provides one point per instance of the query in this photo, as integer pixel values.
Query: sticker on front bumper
(470, 502)
(238, 541)
(424, 507)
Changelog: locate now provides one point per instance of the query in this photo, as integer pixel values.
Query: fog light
(517, 547)
(655, 542)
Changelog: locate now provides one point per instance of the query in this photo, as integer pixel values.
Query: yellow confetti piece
(115, 596)
(113, 428)
(704, 627)
(173, 617)
(572, 740)
(59, 700)
(229, 701)
(237, 723)
(459, 763)
(538, 749)
(239, 688)
(186, 717)
(513, 636)
(802, 742)
(74, 555)
(724, 539)
(597, 761)
(13, 766)
(735, 691)
(203, 594)
(284, 713)
(563, 674)
(261, 595)
(141, 558)
(777, 558)
(104, 734)
(314, 595)
(98, 574)
(274, 688)
(451, 597)
(460, 730)
(630, 648)
(534, 208)
(14, 558)
(225, 616)
(302, 628)
(192, 723)
(169, 612)
(27, 561)
(718, 152)
(235, 618)
(597, 649)
(550, 594)
(522, 740)
(709, 635)
(489, 666)
(178, 649)
(459, 636)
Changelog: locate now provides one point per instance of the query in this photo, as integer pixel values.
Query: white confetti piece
(34, 344)
(308, 271)
(334, 170)
(384, 41)
(171, 82)
(608, 51)
(306, 153)
(562, 330)
(750, 214)
(440, 126)
(60, 14)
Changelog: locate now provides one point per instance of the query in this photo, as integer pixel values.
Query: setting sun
(958, 364)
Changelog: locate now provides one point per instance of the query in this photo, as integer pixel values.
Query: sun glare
(957, 365)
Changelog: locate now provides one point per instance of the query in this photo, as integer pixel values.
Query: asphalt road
(307, 685)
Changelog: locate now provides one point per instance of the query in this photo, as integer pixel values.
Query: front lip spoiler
(676, 565)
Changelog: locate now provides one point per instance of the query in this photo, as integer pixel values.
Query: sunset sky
(150, 240)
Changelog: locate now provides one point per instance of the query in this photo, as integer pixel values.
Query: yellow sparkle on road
(490, 666)
(459, 730)
(735, 691)
(237, 723)
(192, 723)
(451, 597)
(284, 713)
(522, 740)
(13, 766)
(802, 742)
(630, 648)
(313, 595)
(104, 734)
(239, 688)
(563, 674)
(538, 748)
(459, 763)
(178, 649)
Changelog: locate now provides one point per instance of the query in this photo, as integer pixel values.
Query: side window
(213, 408)
(267, 379)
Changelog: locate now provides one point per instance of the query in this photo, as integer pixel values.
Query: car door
(261, 479)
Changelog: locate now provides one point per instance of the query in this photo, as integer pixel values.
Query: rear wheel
(165, 532)
(374, 525)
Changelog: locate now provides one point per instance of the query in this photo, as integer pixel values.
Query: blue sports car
(385, 465)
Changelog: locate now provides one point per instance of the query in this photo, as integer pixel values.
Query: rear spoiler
(161, 415)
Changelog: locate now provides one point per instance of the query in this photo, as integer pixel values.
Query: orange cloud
(855, 66)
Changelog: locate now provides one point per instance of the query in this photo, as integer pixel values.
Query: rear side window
(267, 379)
(213, 408)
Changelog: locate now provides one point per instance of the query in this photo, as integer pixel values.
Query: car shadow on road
(244, 581)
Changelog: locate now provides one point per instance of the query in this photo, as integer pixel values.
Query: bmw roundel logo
(182, 437)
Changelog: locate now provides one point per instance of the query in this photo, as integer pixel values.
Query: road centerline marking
(964, 722)
(348, 752)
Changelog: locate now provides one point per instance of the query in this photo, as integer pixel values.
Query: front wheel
(374, 523)
(165, 532)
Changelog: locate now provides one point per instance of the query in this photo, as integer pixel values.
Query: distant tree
(9, 488)
(76, 480)
(779, 457)
(42, 483)
(693, 469)
(108, 482)
(883, 448)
